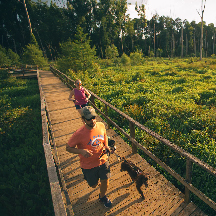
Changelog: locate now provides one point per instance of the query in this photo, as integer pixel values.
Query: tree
(33, 55)
(14, 29)
(125, 60)
(142, 21)
(111, 52)
(76, 55)
(189, 39)
(129, 35)
(14, 57)
(51, 25)
(136, 58)
(4, 60)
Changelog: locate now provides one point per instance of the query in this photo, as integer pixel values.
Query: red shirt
(94, 139)
(80, 96)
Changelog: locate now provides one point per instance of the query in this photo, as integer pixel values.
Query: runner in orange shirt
(89, 141)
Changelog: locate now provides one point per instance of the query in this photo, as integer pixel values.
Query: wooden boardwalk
(161, 197)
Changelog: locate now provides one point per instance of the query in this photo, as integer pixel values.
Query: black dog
(136, 175)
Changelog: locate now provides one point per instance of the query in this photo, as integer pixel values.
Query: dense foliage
(175, 98)
(33, 55)
(106, 23)
(77, 55)
(8, 57)
(24, 183)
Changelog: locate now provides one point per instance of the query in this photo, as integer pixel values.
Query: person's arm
(87, 93)
(71, 95)
(106, 142)
(84, 152)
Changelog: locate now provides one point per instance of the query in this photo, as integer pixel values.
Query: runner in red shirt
(89, 141)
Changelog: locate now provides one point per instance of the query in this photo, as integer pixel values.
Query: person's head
(89, 115)
(78, 83)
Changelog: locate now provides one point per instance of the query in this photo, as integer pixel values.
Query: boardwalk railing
(56, 179)
(190, 159)
(25, 71)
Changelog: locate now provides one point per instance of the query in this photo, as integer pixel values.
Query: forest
(105, 22)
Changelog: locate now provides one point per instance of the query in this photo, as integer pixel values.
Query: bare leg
(103, 187)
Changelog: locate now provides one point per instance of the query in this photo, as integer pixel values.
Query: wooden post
(132, 134)
(188, 179)
(92, 99)
(106, 111)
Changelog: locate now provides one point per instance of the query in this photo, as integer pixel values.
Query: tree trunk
(214, 43)
(154, 39)
(182, 43)
(194, 43)
(201, 40)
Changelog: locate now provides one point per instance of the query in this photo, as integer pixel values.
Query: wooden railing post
(188, 179)
(23, 71)
(132, 134)
(92, 99)
(106, 111)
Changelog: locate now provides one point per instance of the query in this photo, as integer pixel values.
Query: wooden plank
(198, 212)
(179, 209)
(189, 209)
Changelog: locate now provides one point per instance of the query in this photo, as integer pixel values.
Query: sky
(184, 9)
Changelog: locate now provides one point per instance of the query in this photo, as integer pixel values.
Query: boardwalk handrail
(24, 70)
(52, 159)
(190, 159)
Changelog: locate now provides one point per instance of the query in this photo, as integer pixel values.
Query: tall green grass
(24, 184)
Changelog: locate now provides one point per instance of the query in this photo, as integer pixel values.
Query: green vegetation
(8, 57)
(32, 54)
(24, 184)
(77, 55)
(106, 23)
(175, 98)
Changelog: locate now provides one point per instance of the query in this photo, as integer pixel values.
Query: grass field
(24, 183)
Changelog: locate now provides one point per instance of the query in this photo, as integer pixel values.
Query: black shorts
(93, 175)
(81, 106)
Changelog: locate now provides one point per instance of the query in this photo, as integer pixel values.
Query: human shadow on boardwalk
(84, 206)
(121, 209)
(76, 181)
(69, 162)
(94, 207)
